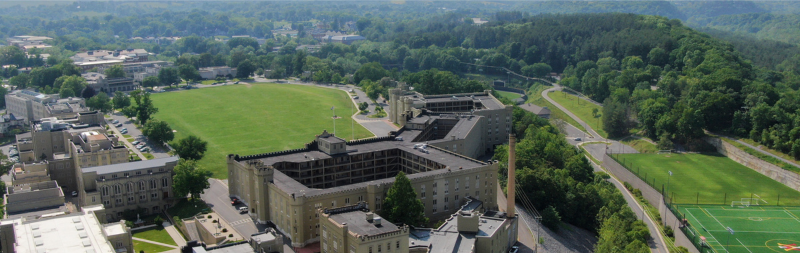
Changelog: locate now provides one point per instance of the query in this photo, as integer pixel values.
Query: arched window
(152, 183)
(117, 189)
(141, 185)
(129, 187)
(104, 190)
(165, 182)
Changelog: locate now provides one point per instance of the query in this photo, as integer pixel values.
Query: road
(597, 150)
(218, 198)
(656, 245)
(134, 132)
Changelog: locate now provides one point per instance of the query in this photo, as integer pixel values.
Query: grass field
(509, 95)
(536, 98)
(640, 145)
(707, 179)
(139, 246)
(755, 228)
(253, 119)
(156, 235)
(582, 109)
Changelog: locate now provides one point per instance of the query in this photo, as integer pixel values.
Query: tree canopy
(190, 179)
(402, 205)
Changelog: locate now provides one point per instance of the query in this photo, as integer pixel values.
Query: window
(119, 201)
(422, 192)
(129, 188)
(155, 208)
(154, 195)
(113, 175)
(104, 190)
(466, 183)
(347, 200)
(397, 246)
(360, 198)
(130, 199)
(164, 182)
(435, 201)
(456, 189)
(142, 197)
(94, 199)
(434, 189)
(370, 249)
(141, 186)
(456, 198)
(138, 173)
(152, 183)
(446, 186)
(117, 189)
(446, 199)
(379, 248)
(126, 174)
(107, 202)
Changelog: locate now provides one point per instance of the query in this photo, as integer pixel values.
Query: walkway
(564, 109)
(655, 245)
(173, 232)
(154, 242)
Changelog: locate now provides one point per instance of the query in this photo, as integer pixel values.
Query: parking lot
(137, 135)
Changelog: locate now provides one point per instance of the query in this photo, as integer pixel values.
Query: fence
(656, 199)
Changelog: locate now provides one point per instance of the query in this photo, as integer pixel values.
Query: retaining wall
(651, 195)
(788, 178)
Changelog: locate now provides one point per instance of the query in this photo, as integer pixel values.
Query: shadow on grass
(189, 207)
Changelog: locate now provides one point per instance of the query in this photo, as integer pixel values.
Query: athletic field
(252, 119)
(755, 228)
(707, 179)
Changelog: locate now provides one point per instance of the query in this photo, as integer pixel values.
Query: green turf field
(509, 95)
(582, 109)
(755, 228)
(253, 119)
(707, 179)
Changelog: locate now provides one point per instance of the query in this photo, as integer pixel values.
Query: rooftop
(122, 167)
(357, 223)
(80, 232)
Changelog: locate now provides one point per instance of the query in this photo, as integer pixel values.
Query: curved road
(657, 245)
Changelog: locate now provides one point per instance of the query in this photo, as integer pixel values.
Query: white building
(214, 72)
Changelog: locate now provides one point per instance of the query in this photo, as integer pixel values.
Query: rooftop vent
(376, 221)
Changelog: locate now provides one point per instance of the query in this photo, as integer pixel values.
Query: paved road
(218, 198)
(124, 140)
(656, 245)
(134, 132)
(762, 151)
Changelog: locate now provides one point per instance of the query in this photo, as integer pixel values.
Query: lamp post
(666, 193)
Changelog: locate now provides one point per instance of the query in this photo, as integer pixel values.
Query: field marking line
(745, 247)
(763, 232)
(791, 215)
(715, 218)
(709, 233)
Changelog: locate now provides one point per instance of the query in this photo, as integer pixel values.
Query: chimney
(512, 159)
(370, 216)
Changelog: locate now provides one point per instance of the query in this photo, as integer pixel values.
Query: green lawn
(254, 119)
(582, 109)
(156, 235)
(707, 179)
(762, 156)
(148, 156)
(535, 97)
(510, 95)
(148, 247)
(640, 145)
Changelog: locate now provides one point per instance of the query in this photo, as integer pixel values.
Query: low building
(214, 72)
(33, 196)
(131, 68)
(101, 83)
(32, 106)
(346, 39)
(467, 231)
(83, 231)
(127, 55)
(355, 229)
(268, 241)
(123, 186)
(540, 111)
(9, 122)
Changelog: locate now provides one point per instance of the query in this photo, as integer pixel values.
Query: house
(538, 110)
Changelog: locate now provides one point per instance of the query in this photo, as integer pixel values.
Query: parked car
(578, 139)
(235, 201)
(115, 121)
(355, 97)
(243, 209)
(135, 142)
(514, 249)
(74, 193)
(124, 131)
(237, 82)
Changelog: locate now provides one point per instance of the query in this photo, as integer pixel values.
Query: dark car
(235, 201)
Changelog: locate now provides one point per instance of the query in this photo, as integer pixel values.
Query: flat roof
(121, 167)
(65, 233)
(357, 223)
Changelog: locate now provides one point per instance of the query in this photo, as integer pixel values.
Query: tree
(372, 71)
(121, 100)
(537, 70)
(100, 102)
(168, 76)
(144, 108)
(151, 81)
(115, 71)
(190, 179)
(158, 131)
(551, 219)
(189, 73)
(402, 205)
(71, 86)
(88, 92)
(243, 41)
(129, 111)
(21, 81)
(191, 148)
(363, 106)
(12, 55)
(245, 69)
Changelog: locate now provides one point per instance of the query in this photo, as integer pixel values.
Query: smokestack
(512, 159)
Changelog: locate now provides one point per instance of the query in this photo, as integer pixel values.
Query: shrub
(214, 221)
(158, 221)
(627, 186)
(129, 224)
(230, 235)
(669, 232)
(224, 230)
(209, 217)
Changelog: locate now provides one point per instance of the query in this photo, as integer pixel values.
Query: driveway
(134, 132)
(218, 198)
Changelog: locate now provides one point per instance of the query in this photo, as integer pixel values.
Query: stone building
(468, 123)
(32, 196)
(84, 231)
(101, 83)
(288, 187)
(119, 187)
(354, 229)
(214, 72)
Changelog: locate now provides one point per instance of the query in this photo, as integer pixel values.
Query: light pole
(666, 193)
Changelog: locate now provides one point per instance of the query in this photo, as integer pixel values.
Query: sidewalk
(173, 232)
(156, 243)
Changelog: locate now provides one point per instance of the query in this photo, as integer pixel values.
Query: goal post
(740, 204)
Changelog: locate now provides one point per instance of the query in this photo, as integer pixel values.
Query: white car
(74, 193)
(135, 142)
